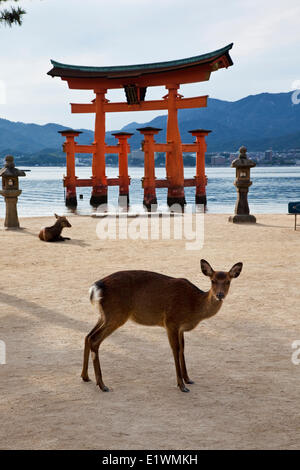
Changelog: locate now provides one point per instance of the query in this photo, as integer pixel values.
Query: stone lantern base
(242, 219)
(11, 216)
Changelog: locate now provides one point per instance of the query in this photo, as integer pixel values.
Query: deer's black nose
(220, 296)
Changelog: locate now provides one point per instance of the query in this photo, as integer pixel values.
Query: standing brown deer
(154, 299)
(53, 233)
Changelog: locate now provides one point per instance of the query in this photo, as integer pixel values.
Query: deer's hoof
(104, 388)
(189, 381)
(183, 388)
(86, 378)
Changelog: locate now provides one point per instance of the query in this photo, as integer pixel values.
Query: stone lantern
(242, 183)
(10, 191)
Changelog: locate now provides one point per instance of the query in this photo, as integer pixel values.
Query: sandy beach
(246, 390)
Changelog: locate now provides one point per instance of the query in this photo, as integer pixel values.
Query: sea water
(272, 189)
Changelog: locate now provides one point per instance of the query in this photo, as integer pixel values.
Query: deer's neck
(205, 306)
(209, 305)
(57, 228)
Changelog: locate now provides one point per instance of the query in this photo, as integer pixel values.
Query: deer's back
(147, 297)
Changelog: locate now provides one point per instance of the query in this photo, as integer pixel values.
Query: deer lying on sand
(153, 299)
(53, 233)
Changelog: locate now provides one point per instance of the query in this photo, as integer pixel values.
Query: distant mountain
(257, 121)
(18, 137)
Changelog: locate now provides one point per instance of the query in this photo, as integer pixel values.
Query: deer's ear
(236, 270)
(206, 268)
(56, 216)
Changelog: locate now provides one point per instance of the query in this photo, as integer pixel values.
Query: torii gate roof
(148, 74)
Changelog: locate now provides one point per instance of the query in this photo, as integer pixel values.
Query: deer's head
(62, 220)
(220, 280)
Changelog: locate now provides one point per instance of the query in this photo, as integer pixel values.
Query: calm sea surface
(272, 189)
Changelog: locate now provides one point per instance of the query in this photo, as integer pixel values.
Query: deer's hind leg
(182, 360)
(86, 354)
(95, 339)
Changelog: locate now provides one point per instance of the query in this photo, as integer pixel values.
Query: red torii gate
(135, 79)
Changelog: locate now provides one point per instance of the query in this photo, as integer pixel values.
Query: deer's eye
(213, 282)
(227, 283)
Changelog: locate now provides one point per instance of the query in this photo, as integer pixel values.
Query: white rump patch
(95, 294)
(95, 298)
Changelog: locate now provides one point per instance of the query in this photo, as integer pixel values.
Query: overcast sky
(265, 34)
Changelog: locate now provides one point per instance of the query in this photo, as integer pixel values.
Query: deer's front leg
(173, 335)
(182, 360)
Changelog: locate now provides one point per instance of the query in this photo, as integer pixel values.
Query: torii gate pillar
(99, 192)
(148, 146)
(70, 179)
(201, 181)
(174, 160)
(123, 166)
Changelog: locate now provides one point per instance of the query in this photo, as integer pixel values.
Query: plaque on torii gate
(135, 79)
